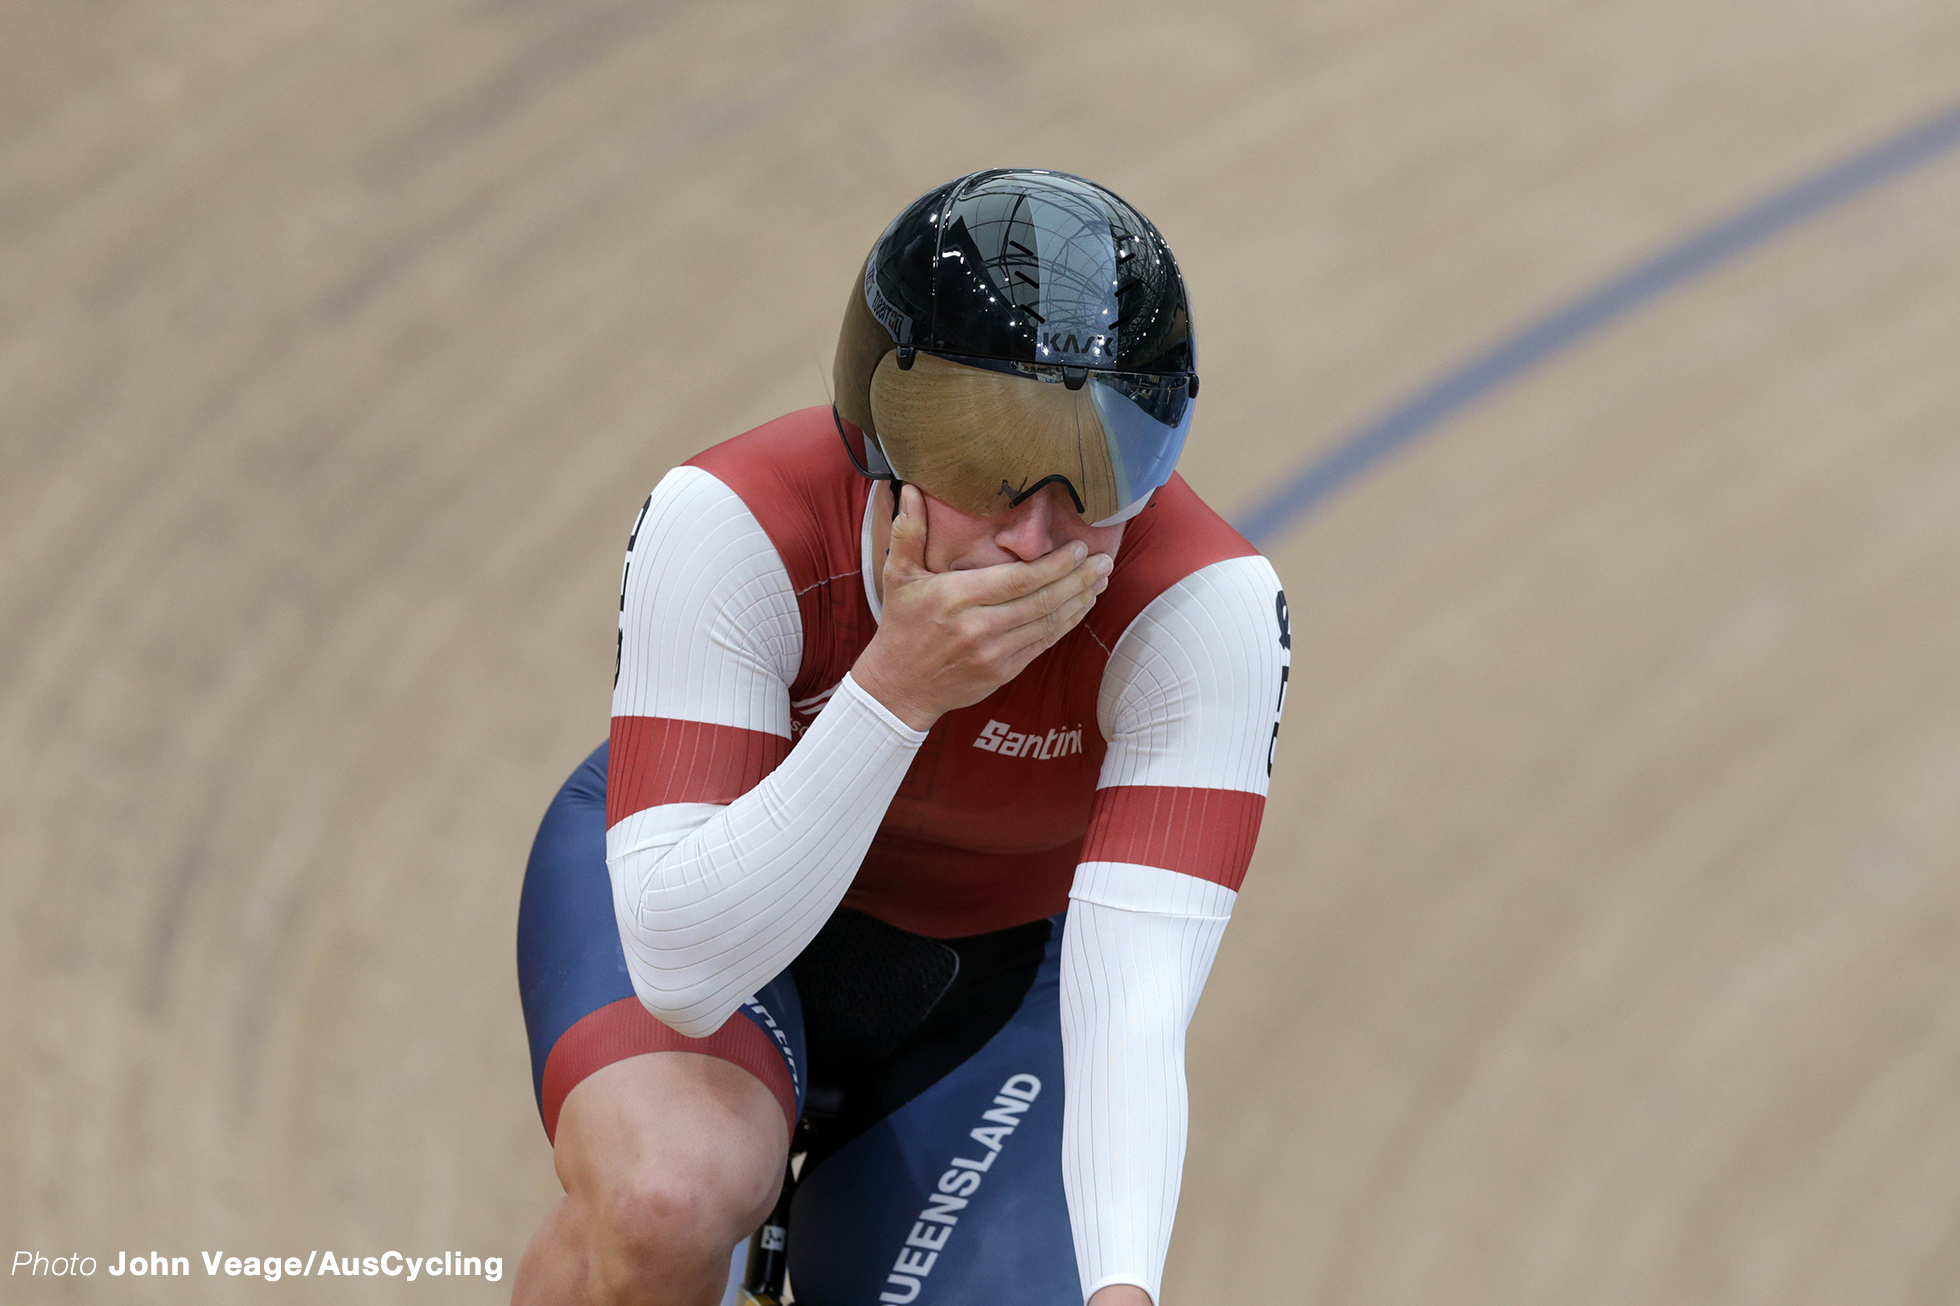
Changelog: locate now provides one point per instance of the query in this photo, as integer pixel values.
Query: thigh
(580, 1011)
(955, 1198)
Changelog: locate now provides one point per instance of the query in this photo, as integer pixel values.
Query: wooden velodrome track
(1603, 945)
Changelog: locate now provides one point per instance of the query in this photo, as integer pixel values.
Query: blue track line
(1564, 327)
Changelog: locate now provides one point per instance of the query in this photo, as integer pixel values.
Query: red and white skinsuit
(754, 786)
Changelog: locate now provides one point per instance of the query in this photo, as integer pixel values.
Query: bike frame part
(768, 1268)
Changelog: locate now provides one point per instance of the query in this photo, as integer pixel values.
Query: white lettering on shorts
(934, 1227)
(782, 1040)
(1000, 737)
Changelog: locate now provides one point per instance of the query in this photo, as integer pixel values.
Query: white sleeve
(714, 900)
(1191, 704)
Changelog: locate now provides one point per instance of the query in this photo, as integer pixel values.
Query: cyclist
(940, 740)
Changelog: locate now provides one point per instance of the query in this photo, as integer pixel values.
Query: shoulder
(794, 476)
(705, 602)
(1231, 598)
(1177, 536)
(696, 541)
(1219, 637)
(688, 503)
(1194, 687)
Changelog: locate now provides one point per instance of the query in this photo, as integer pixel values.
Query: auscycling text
(270, 1268)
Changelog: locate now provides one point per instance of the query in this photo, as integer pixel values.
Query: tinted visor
(984, 434)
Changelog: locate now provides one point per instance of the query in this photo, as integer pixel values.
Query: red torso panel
(985, 831)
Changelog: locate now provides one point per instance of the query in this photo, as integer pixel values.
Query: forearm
(714, 901)
(1130, 979)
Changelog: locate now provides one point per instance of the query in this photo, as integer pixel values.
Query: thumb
(906, 557)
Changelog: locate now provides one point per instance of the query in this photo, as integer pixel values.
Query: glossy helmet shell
(1018, 265)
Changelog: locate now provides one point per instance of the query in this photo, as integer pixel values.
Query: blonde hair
(973, 437)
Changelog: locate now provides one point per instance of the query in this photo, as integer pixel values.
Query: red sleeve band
(1207, 833)
(659, 760)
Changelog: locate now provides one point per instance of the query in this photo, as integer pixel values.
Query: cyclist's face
(1046, 520)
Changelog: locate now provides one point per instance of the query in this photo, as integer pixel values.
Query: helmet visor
(985, 434)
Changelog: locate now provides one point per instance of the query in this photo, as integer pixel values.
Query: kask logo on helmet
(1054, 342)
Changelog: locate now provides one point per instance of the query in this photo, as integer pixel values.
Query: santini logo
(999, 737)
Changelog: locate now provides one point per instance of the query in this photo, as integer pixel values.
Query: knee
(668, 1161)
(678, 1220)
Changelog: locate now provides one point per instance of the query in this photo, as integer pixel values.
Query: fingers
(1083, 580)
(1028, 627)
(1007, 581)
(1020, 630)
(955, 636)
(1057, 621)
(1025, 643)
(907, 556)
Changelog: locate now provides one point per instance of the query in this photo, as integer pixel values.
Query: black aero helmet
(1016, 328)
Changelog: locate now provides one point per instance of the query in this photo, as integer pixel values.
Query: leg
(955, 1198)
(670, 1149)
(668, 1159)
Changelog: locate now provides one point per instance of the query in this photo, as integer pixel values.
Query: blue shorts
(935, 1175)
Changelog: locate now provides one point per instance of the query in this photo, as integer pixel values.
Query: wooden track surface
(1601, 946)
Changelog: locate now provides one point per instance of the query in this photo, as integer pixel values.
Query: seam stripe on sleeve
(659, 760)
(1206, 833)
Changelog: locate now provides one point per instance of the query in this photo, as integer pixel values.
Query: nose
(1029, 532)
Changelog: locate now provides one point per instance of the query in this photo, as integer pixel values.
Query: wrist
(1120, 1294)
(870, 674)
